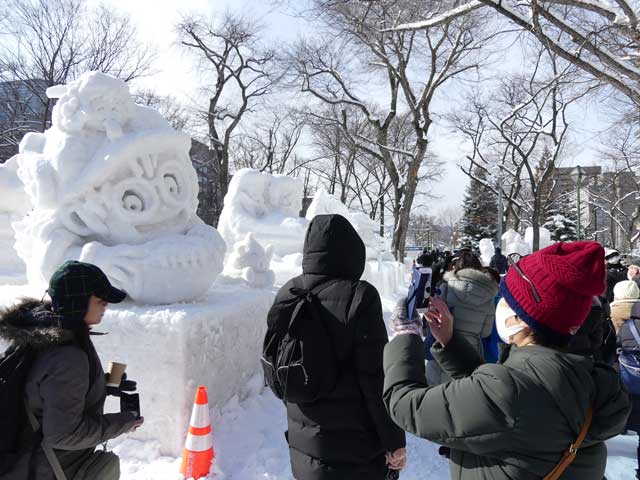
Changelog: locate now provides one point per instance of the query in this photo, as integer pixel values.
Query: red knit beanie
(566, 277)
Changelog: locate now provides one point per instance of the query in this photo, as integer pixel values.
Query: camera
(129, 402)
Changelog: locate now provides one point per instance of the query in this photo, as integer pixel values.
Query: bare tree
(601, 38)
(242, 71)
(520, 134)
(615, 198)
(411, 67)
(270, 146)
(50, 42)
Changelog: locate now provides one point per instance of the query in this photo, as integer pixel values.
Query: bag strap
(634, 331)
(48, 451)
(569, 456)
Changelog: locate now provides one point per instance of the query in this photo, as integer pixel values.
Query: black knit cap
(72, 285)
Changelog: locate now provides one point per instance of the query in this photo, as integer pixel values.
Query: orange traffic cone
(198, 451)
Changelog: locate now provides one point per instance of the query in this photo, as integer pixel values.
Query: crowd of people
(508, 367)
(520, 369)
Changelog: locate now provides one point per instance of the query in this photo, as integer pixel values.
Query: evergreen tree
(480, 211)
(562, 223)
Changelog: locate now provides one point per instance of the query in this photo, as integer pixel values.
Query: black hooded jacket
(345, 434)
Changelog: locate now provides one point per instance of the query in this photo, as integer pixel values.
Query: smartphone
(130, 402)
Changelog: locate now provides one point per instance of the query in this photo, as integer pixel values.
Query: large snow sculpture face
(112, 184)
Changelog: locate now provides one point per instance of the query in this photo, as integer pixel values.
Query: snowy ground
(250, 445)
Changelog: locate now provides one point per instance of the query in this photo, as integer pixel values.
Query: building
(609, 208)
(24, 107)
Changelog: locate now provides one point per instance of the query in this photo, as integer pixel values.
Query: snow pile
(515, 244)
(15, 205)
(487, 251)
(112, 184)
(324, 203)
(250, 262)
(267, 206)
(545, 237)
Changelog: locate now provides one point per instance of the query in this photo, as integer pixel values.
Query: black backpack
(298, 357)
(15, 364)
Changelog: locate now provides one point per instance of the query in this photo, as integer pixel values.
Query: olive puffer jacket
(470, 295)
(61, 393)
(509, 420)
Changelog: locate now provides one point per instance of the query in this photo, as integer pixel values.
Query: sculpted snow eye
(171, 184)
(132, 201)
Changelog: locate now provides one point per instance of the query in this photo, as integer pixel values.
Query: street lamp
(576, 176)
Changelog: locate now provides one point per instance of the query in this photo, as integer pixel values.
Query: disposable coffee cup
(115, 371)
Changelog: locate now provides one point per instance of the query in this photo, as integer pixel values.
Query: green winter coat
(506, 421)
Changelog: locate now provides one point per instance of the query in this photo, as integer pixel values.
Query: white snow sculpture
(367, 229)
(545, 237)
(112, 184)
(324, 203)
(508, 237)
(487, 251)
(251, 262)
(267, 206)
(14, 205)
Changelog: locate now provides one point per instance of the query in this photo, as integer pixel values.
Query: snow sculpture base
(171, 350)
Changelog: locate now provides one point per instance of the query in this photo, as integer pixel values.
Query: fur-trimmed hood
(32, 322)
(471, 286)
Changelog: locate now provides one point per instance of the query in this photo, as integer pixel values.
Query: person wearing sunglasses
(542, 412)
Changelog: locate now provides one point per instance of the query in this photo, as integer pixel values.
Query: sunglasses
(533, 288)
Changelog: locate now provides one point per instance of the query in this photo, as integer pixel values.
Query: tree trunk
(382, 216)
(535, 224)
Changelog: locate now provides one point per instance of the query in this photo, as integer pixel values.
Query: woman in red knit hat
(542, 413)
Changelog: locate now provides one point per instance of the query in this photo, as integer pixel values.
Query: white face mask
(504, 313)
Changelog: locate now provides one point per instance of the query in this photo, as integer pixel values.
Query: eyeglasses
(521, 273)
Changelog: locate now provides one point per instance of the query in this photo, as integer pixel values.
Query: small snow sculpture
(508, 237)
(112, 184)
(14, 206)
(487, 251)
(324, 203)
(267, 206)
(251, 262)
(545, 237)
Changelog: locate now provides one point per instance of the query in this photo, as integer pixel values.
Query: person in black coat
(616, 272)
(499, 262)
(348, 434)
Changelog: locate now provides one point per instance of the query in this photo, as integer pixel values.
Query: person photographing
(541, 413)
(65, 388)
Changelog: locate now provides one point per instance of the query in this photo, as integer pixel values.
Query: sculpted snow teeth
(113, 185)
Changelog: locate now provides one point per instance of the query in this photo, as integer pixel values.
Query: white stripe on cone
(200, 416)
(199, 443)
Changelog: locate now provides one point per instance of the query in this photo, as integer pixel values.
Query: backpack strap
(634, 330)
(48, 451)
(569, 456)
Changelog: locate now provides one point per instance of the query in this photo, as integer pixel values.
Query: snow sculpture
(545, 237)
(324, 203)
(15, 205)
(250, 261)
(487, 251)
(267, 206)
(508, 237)
(112, 184)
(367, 229)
